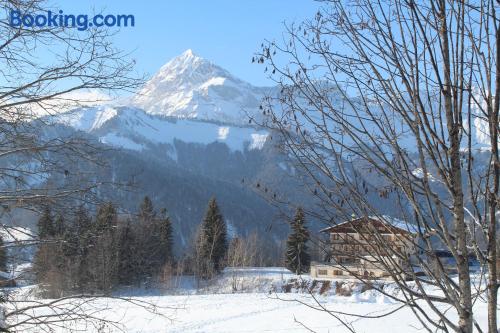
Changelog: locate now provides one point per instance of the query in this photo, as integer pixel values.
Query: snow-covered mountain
(132, 128)
(189, 86)
(190, 99)
(195, 101)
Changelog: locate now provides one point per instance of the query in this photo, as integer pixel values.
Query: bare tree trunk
(493, 199)
(454, 128)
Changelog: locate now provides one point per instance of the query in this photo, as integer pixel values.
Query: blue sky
(226, 32)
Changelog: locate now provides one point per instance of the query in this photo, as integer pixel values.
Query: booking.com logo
(59, 19)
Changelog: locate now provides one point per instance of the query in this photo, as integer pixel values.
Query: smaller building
(366, 247)
(448, 262)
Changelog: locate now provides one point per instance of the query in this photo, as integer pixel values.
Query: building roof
(384, 224)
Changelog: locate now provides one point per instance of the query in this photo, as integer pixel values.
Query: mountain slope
(132, 128)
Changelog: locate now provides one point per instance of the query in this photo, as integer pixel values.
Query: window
(337, 272)
(335, 236)
(322, 272)
(387, 237)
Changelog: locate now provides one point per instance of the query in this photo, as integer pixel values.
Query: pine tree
(85, 240)
(153, 240)
(59, 226)
(146, 210)
(46, 224)
(128, 269)
(106, 218)
(83, 229)
(165, 239)
(3, 256)
(212, 242)
(43, 259)
(64, 263)
(146, 249)
(297, 256)
(103, 254)
(70, 241)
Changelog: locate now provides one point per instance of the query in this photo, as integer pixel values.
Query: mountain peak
(187, 54)
(186, 61)
(189, 86)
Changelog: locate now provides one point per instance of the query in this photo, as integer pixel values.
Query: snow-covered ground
(250, 307)
(252, 312)
(266, 313)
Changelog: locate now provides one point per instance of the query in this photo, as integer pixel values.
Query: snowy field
(201, 310)
(256, 312)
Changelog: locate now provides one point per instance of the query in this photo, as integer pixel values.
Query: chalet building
(353, 249)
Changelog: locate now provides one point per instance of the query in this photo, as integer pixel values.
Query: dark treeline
(97, 254)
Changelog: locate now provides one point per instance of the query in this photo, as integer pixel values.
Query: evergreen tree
(146, 211)
(128, 268)
(84, 239)
(70, 241)
(46, 224)
(83, 223)
(212, 242)
(3, 256)
(297, 256)
(152, 240)
(106, 218)
(165, 238)
(43, 259)
(103, 255)
(146, 239)
(65, 263)
(59, 226)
